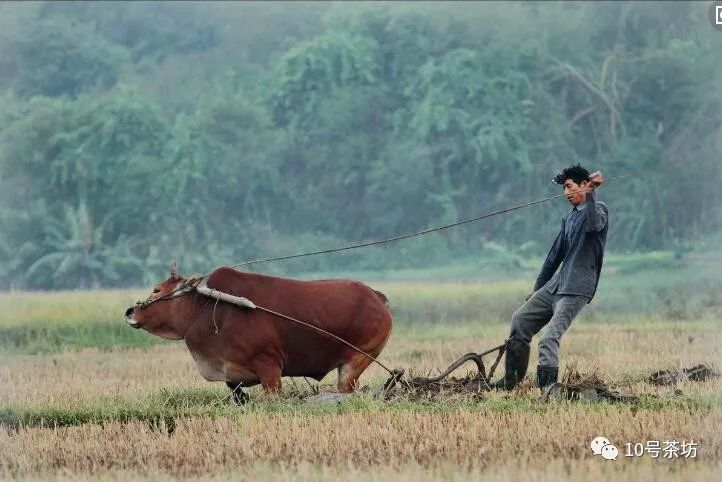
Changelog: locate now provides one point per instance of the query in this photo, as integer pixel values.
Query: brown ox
(252, 346)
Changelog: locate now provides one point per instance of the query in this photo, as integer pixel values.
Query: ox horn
(174, 269)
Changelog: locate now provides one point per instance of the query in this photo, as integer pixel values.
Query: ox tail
(382, 297)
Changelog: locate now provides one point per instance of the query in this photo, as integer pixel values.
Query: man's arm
(596, 214)
(552, 262)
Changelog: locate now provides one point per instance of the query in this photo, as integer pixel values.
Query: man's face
(576, 193)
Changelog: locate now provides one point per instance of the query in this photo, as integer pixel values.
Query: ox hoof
(238, 394)
(327, 398)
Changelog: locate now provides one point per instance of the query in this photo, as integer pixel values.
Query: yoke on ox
(244, 347)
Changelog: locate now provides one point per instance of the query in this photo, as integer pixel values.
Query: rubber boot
(546, 376)
(515, 363)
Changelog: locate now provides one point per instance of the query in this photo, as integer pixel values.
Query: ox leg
(238, 394)
(270, 376)
(349, 372)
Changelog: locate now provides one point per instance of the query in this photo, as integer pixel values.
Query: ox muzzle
(129, 317)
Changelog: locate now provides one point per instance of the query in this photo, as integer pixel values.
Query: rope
(193, 282)
(471, 356)
(214, 314)
(196, 279)
(350, 345)
(410, 235)
(239, 301)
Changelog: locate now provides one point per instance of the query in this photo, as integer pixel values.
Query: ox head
(159, 313)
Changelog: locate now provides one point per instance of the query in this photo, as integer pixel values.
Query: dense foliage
(132, 132)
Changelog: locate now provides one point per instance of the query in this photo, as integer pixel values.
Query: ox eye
(156, 291)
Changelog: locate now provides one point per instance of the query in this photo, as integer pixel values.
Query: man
(559, 297)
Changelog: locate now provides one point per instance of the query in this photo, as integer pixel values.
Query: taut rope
(194, 284)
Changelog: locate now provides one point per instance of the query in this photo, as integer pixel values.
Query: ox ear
(174, 270)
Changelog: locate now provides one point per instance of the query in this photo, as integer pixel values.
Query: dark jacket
(581, 257)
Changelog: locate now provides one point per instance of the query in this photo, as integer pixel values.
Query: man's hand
(596, 179)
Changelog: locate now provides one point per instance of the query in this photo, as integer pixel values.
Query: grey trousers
(546, 308)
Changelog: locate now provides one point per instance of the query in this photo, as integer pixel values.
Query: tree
(54, 57)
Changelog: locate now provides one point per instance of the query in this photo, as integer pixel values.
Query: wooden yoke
(225, 297)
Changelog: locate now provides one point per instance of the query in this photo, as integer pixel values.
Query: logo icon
(714, 14)
(602, 446)
(598, 443)
(610, 452)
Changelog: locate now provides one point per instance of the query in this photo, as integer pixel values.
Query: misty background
(220, 132)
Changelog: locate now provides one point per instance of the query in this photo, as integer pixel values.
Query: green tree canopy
(218, 132)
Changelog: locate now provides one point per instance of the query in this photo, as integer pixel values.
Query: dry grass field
(83, 397)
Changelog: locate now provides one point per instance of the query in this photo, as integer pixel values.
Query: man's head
(575, 181)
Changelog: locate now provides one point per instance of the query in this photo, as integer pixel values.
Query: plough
(479, 381)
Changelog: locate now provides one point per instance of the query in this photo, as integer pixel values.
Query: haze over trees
(218, 132)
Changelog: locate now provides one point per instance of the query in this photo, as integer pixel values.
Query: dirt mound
(697, 373)
(418, 387)
(576, 385)
(573, 386)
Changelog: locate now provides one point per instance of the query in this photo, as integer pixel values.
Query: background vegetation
(131, 132)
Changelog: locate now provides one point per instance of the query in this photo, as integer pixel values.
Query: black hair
(575, 173)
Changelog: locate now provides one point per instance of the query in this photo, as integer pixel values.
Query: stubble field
(82, 396)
